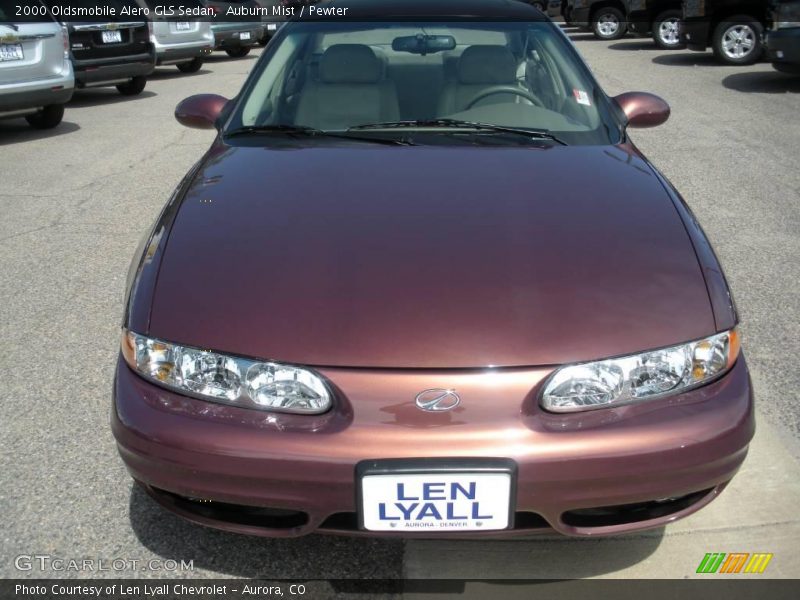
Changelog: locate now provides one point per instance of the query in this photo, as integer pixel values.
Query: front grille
(348, 521)
(238, 514)
(622, 514)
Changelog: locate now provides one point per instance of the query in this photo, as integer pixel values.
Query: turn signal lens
(223, 378)
(645, 376)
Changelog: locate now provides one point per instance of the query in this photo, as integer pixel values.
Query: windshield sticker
(581, 97)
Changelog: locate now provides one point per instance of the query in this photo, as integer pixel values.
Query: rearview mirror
(423, 44)
(643, 109)
(200, 111)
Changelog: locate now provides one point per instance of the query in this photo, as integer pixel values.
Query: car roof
(435, 9)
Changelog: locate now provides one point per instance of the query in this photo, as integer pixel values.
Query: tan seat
(479, 67)
(350, 89)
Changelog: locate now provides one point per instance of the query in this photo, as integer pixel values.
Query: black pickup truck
(734, 29)
(110, 52)
(612, 19)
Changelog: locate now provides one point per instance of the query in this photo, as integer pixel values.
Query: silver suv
(179, 43)
(36, 77)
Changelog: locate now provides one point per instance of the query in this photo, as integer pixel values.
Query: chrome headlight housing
(640, 377)
(224, 378)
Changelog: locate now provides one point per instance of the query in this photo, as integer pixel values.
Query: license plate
(112, 37)
(272, 26)
(183, 26)
(436, 501)
(11, 52)
(245, 35)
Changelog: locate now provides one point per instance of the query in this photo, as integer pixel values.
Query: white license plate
(436, 502)
(112, 37)
(11, 52)
(183, 26)
(272, 26)
(245, 35)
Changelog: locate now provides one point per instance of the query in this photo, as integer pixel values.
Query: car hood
(428, 257)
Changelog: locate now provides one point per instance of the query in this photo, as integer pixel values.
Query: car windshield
(435, 76)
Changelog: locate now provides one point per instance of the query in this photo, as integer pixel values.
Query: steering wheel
(504, 89)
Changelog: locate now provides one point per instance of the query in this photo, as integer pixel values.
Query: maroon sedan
(423, 283)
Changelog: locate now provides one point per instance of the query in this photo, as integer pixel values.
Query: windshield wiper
(304, 130)
(543, 134)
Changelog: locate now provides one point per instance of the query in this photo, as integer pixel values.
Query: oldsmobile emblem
(437, 400)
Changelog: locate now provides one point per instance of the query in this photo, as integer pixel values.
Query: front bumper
(783, 46)
(31, 95)
(109, 71)
(696, 33)
(187, 452)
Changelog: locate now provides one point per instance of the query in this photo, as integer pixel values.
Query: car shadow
(535, 557)
(222, 57)
(582, 36)
(770, 82)
(308, 557)
(109, 95)
(17, 131)
(173, 73)
(688, 59)
(635, 45)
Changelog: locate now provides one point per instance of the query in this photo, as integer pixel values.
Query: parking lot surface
(76, 200)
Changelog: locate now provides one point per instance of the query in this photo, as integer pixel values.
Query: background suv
(36, 78)
(118, 52)
(235, 37)
(179, 43)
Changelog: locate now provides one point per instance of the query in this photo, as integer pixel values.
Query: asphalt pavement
(75, 201)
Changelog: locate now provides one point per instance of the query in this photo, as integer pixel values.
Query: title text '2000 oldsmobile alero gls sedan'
(422, 283)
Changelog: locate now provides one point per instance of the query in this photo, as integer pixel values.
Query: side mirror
(643, 109)
(200, 111)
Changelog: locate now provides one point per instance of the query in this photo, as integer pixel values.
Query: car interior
(341, 79)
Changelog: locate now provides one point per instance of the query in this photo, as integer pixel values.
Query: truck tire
(47, 118)
(668, 30)
(238, 52)
(193, 66)
(737, 40)
(133, 87)
(608, 23)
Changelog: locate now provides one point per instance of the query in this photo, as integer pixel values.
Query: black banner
(746, 587)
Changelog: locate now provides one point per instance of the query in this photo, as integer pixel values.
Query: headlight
(644, 376)
(228, 379)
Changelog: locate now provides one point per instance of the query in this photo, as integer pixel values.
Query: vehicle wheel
(47, 118)
(668, 30)
(737, 40)
(133, 87)
(608, 23)
(193, 66)
(238, 52)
